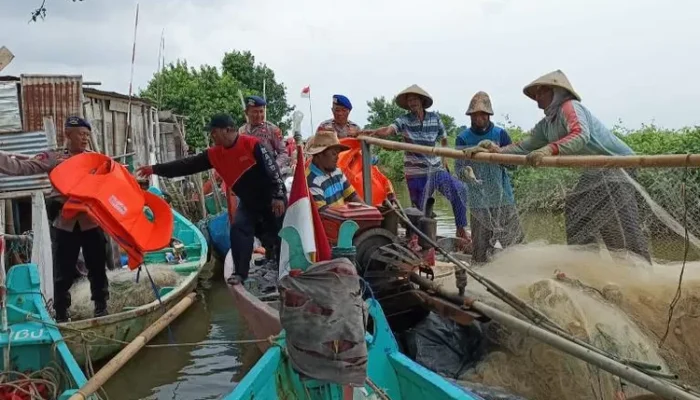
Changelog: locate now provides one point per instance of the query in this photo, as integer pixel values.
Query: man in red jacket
(251, 172)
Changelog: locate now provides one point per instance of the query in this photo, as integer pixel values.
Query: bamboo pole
(103, 375)
(663, 389)
(636, 161)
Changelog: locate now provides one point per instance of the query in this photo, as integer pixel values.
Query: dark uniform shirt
(44, 163)
(256, 188)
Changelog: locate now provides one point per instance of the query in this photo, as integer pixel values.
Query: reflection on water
(197, 372)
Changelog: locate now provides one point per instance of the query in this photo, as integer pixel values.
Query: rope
(686, 247)
(377, 390)
(90, 336)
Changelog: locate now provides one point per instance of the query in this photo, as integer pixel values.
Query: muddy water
(204, 371)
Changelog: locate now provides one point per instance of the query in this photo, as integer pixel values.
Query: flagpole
(311, 114)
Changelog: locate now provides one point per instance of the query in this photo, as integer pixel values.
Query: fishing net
(325, 319)
(613, 303)
(630, 233)
(124, 291)
(643, 213)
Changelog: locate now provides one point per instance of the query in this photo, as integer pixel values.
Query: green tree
(382, 113)
(242, 67)
(197, 94)
(450, 126)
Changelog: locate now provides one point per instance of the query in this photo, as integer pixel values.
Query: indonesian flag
(306, 92)
(303, 215)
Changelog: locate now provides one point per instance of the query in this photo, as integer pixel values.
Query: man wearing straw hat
(492, 213)
(604, 201)
(424, 173)
(328, 186)
(340, 123)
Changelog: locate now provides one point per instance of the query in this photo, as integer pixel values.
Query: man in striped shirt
(328, 185)
(425, 173)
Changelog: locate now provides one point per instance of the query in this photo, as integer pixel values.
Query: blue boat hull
(397, 376)
(33, 340)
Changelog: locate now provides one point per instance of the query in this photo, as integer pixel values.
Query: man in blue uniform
(340, 123)
(69, 235)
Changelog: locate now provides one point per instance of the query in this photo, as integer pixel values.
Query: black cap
(77, 122)
(222, 121)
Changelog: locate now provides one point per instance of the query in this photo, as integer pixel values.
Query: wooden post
(628, 373)
(367, 172)
(103, 375)
(636, 161)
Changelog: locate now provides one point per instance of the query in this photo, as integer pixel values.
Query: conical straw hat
(481, 102)
(413, 89)
(554, 79)
(323, 140)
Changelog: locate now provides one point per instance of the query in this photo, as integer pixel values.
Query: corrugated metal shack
(108, 113)
(33, 109)
(29, 102)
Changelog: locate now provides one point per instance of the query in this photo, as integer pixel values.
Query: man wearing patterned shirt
(340, 123)
(269, 134)
(425, 173)
(328, 185)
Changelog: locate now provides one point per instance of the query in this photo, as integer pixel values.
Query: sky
(634, 61)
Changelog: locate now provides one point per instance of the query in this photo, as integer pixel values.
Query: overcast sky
(634, 60)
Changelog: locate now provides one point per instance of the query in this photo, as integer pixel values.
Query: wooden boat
(124, 326)
(272, 377)
(33, 344)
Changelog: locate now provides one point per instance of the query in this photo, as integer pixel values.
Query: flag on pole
(303, 215)
(306, 92)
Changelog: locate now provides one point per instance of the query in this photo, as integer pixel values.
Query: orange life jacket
(231, 163)
(350, 162)
(110, 195)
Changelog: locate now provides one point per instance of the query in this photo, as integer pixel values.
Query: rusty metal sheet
(57, 96)
(10, 120)
(29, 143)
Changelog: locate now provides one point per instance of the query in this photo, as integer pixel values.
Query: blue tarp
(219, 231)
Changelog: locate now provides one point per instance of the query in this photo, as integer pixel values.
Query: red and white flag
(306, 92)
(303, 215)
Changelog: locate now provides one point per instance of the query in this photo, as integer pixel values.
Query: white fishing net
(124, 291)
(617, 305)
(630, 234)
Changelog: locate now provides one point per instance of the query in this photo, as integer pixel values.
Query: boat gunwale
(265, 315)
(165, 301)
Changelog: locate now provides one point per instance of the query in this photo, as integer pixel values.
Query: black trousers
(489, 225)
(250, 223)
(66, 249)
(605, 203)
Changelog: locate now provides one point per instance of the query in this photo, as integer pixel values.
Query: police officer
(247, 168)
(269, 134)
(340, 123)
(69, 235)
